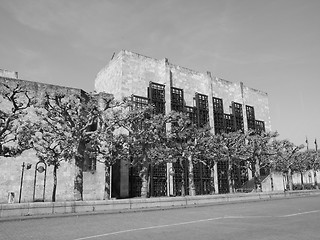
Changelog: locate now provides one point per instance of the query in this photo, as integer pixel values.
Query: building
(22, 170)
(225, 105)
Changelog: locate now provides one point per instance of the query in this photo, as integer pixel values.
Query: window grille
(201, 178)
(239, 174)
(135, 182)
(229, 123)
(250, 117)
(159, 180)
(89, 164)
(156, 95)
(237, 116)
(177, 100)
(180, 176)
(218, 115)
(202, 109)
(139, 102)
(222, 169)
(192, 113)
(260, 127)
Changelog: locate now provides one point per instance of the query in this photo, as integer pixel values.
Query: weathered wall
(109, 79)
(10, 179)
(228, 91)
(259, 100)
(138, 71)
(10, 168)
(130, 73)
(190, 81)
(277, 181)
(8, 74)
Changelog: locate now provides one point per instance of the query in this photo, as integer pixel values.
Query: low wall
(17, 210)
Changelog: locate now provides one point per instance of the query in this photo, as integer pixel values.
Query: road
(295, 218)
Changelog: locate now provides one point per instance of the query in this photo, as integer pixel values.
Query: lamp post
(28, 166)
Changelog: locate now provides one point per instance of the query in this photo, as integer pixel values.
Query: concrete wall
(308, 177)
(277, 181)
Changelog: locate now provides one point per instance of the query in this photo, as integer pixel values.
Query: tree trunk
(183, 190)
(107, 186)
(55, 182)
(192, 188)
(257, 177)
(144, 178)
(78, 181)
(230, 180)
(290, 179)
(301, 177)
(212, 188)
(315, 179)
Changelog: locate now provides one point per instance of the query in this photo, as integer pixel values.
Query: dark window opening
(177, 100)
(237, 116)
(156, 95)
(192, 113)
(202, 107)
(218, 116)
(260, 127)
(250, 118)
(229, 123)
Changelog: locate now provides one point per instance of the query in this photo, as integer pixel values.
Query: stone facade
(131, 73)
(128, 74)
(11, 167)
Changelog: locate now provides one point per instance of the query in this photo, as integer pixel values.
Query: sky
(270, 45)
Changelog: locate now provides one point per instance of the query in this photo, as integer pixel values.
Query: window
(177, 101)
(250, 117)
(218, 116)
(202, 109)
(139, 102)
(229, 123)
(260, 127)
(237, 116)
(192, 113)
(156, 95)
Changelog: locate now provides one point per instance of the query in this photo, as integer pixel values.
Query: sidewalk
(49, 209)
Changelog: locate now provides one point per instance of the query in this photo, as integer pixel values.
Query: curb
(24, 211)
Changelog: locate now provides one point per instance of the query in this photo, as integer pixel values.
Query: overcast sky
(269, 45)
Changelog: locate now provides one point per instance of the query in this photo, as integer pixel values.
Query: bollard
(10, 197)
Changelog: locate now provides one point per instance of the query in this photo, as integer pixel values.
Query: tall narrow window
(237, 116)
(177, 101)
(250, 118)
(260, 127)
(229, 123)
(156, 94)
(218, 116)
(192, 113)
(202, 109)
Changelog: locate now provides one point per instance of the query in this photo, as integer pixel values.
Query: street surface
(296, 218)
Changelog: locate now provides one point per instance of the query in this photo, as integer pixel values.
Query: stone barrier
(41, 209)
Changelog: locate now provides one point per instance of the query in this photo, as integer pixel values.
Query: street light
(28, 166)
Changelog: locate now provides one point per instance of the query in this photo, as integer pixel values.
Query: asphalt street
(295, 218)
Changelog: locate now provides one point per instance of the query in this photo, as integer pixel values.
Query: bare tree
(14, 127)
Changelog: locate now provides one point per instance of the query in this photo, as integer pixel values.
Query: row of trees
(71, 127)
